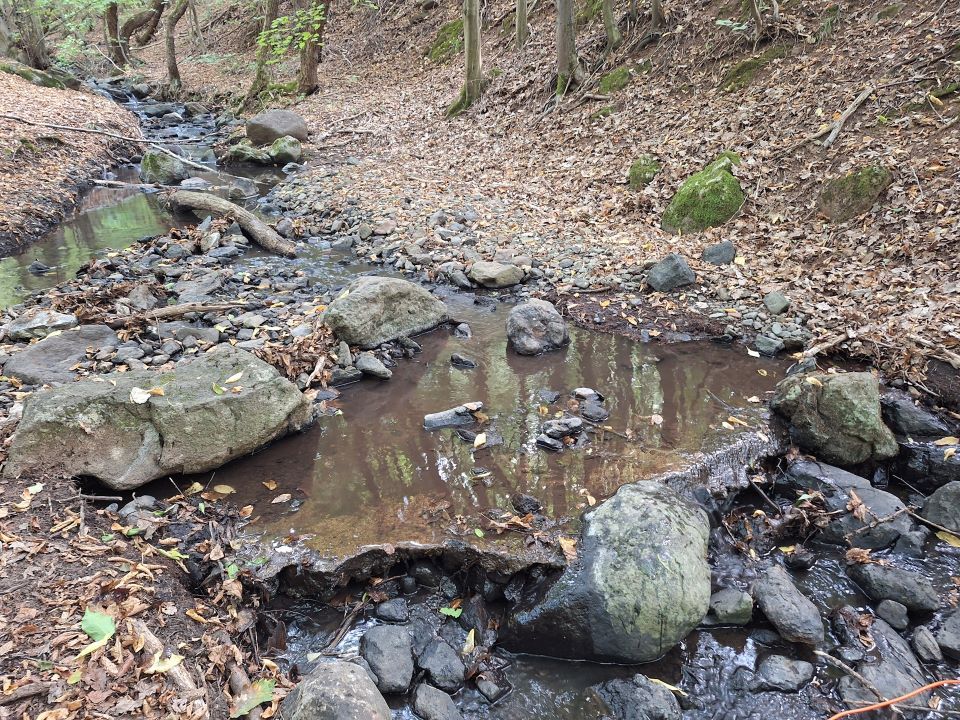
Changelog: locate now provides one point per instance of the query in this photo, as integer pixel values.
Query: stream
(369, 474)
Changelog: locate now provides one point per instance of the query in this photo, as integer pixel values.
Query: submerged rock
(788, 610)
(535, 326)
(52, 359)
(336, 691)
(641, 586)
(374, 310)
(272, 125)
(115, 432)
(38, 323)
(460, 416)
(638, 698)
(837, 417)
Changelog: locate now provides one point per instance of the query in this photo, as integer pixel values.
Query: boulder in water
(943, 507)
(788, 610)
(158, 167)
(638, 698)
(535, 326)
(336, 690)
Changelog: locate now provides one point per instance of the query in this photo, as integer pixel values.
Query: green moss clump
(706, 199)
(31, 75)
(615, 80)
(743, 73)
(855, 193)
(449, 42)
(642, 171)
(602, 112)
(588, 11)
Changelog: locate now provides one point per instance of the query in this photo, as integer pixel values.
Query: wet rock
(526, 504)
(638, 698)
(285, 150)
(462, 331)
(495, 275)
(905, 417)
(766, 345)
(562, 427)
(336, 691)
(670, 273)
(272, 125)
(788, 610)
(369, 364)
(158, 167)
(443, 665)
(641, 585)
(721, 253)
(891, 667)
(894, 613)
(344, 376)
(545, 441)
(458, 360)
(777, 672)
(388, 651)
(535, 326)
(837, 417)
(593, 411)
(393, 610)
(800, 560)
(460, 416)
(489, 689)
(731, 606)
(37, 323)
(925, 465)
(432, 704)
(38, 268)
(948, 636)
(52, 359)
(925, 646)
(943, 507)
(885, 582)
(98, 429)
(376, 310)
(426, 573)
(776, 303)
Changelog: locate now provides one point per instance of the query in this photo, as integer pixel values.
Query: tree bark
(614, 38)
(262, 77)
(471, 43)
(146, 35)
(307, 80)
(523, 25)
(174, 82)
(111, 24)
(134, 23)
(569, 70)
(26, 24)
(656, 15)
(757, 19)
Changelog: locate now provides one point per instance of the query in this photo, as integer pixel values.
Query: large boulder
(943, 507)
(641, 585)
(902, 415)
(272, 125)
(336, 690)
(110, 429)
(161, 168)
(285, 150)
(495, 275)
(836, 417)
(885, 582)
(706, 199)
(388, 651)
(375, 310)
(535, 326)
(670, 273)
(853, 194)
(38, 323)
(31, 75)
(52, 359)
(890, 666)
(788, 610)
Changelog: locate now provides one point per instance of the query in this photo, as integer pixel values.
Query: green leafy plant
(293, 32)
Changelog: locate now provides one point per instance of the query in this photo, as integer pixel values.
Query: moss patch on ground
(642, 171)
(588, 11)
(615, 80)
(742, 74)
(855, 193)
(706, 199)
(449, 42)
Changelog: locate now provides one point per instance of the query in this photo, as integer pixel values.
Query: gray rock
(37, 323)
(593, 411)
(894, 613)
(141, 298)
(199, 289)
(837, 417)
(731, 606)
(777, 303)
(443, 665)
(721, 253)
(638, 698)
(385, 227)
(285, 150)
(562, 427)
(344, 357)
(432, 704)
(344, 376)
(777, 672)
(948, 636)
(885, 582)
(458, 360)
(462, 331)
(766, 345)
(892, 667)
(375, 310)
(193, 109)
(670, 273)
(641, 585)
(272, 125)
(924, 465)
(943, 507)
(335, 691)
(495, 275)
(388, 651)
(51, 360)
(393, 610)
(925, 646)
(788, 610)
(905, 417)
(183, 330)
(535, 326)
(158, 167)
(460, 416)
(97, 429)
(369, 364)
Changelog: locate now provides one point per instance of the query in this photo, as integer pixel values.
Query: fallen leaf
(949, 440)
(668, 686)
(285, 497)
(451, 612)
(569, 547)
(100, 627)
(223, 489)
(162, 665)
(470, 644)
(656, 419)
(259, 692)
(949, 538)
(270, 484)
(480, 440)
(753, 353)
(233, 378)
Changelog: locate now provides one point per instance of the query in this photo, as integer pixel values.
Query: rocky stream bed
(503, 516)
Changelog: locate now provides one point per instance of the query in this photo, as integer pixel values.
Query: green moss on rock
(742, 74)
(615, 80)
(706, 199)
(602, 112)
(31, 75)
(449, 42)
(642, 171)
(855, 193)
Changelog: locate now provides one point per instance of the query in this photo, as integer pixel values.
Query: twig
(851, 109)
(921, 518)
(24, 692)
(765, 496)
(831, 660)
(99, 498)
(173, 311)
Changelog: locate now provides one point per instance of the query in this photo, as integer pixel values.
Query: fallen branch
(888, 703)
(851, 109)
(24, 692)
(237, 677)
(173, 311)
(840, 665)
(835, 340)
(951, 358)
(255, 228)
(178, 675)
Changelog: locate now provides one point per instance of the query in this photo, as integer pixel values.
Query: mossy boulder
(31, 75)
(158, 167)
(615, 80)
(449, 42)
(706, 199)
(285, 150)
(855, 193)
(743, 73)
(245, 152)
(642, 171)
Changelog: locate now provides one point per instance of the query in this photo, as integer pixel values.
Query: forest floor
(550, 180)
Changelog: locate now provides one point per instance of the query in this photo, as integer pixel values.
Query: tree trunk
(523, 26)
(472, 76)
(133, 24)
(614, 38)
(569, 70)
(28, 33)
(261, 79)
(656, 15)
(169, 26)
(757, 19)
(111, 23)
(307, 82)
(146, 35)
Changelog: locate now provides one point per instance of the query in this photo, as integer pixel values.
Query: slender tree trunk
(146, 35)
(757, 19)
(169, 27)
(131, 26)
(657, 20)
(472, 76)
(111, 23)
(27, 24)
(569, 70)
(632, 14)
(614, 38)
(308, 82)
(523, 26)
(261, 79)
